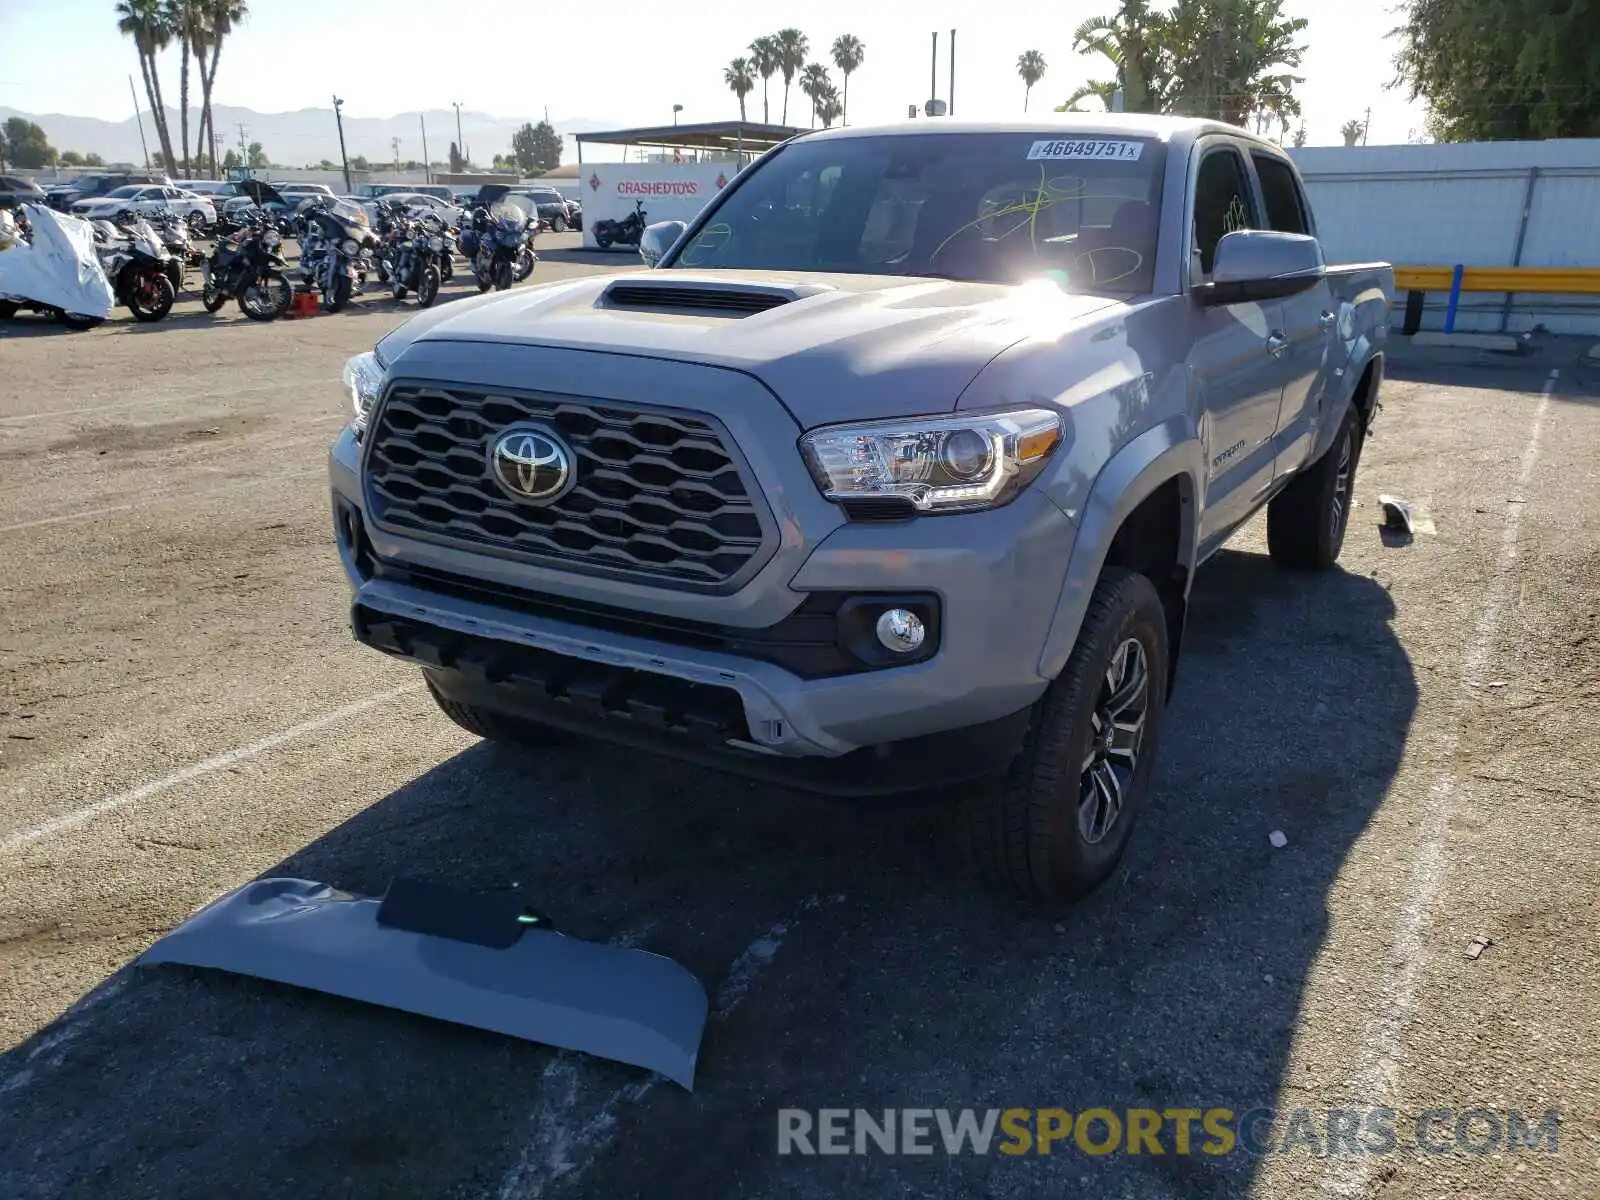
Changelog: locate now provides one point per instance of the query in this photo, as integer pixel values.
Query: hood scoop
(703, 296)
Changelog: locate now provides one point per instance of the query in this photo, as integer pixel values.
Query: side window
(172, 193)
(1221, 203)
(1286, 209)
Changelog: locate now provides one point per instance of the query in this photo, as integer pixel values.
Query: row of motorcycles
(77, 271)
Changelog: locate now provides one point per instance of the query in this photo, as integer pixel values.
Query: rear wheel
(496, 727)
(559, 225)
(1057, 825)
(1306, 522)
(211, 297)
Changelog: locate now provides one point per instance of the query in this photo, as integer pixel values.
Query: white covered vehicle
(58, 275)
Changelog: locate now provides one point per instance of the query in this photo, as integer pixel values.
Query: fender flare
(1168, 451)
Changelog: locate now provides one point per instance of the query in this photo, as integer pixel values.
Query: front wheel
(602, 238)
(1306, 521)
(336, 297)
(267, 298)
(428, 286)
(150, 296)
(526, 261)
(78, 321)
(211, 295)
(502, 274)
(1055, 828)
(493, 726)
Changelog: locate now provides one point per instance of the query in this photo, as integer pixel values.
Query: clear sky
(629, 62)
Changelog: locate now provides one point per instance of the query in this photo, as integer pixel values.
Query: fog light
(901, 630)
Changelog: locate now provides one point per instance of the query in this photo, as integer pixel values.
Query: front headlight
(954, 463)
(436, 244)
(363, 378)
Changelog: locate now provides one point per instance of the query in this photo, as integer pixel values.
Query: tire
(559, 225)
(1046, 832)
(494, 726)
(399, 292)
(602, 238)
(428, 286)
(8, 309)
(160, 301)
(528, 257)
(336, 300)
(503, 272)
(1306, 522)
(211, 297)
(77, 321)
(281, 296)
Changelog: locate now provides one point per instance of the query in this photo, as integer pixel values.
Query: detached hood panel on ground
(845, 347)
(60, 268)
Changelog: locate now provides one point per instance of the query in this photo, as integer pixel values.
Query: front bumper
(528, 642)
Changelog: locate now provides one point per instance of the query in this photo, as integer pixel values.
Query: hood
(832, 347)
(261, 193)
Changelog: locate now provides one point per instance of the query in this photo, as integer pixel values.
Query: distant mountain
(293, 139)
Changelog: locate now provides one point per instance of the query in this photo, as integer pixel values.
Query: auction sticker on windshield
(1082, 148)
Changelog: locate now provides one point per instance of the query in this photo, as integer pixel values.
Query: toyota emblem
(531, 464)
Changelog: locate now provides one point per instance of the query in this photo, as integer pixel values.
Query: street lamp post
(338, 119)
(676, 109)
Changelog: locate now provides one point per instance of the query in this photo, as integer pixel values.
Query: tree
(536, 148)
(764, 58)
(814, 84)
(1031, 66)
(219, 18)
(26, 145)
(829, 109)
(740, 77)
(145, 22)
(792, 50)
(1501, 69)
(360, 163)
(848, 55)
(1300, 136)
(1351, 132)
(231, 161)
(70, 158)
(457, 163)
(256, 157)
(1130, 40)
(184, 21)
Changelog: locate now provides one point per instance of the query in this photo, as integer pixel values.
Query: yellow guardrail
(1553, 281)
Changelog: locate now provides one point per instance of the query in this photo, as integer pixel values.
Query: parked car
(147, 201)
(87, 187)
(446, 211)
(892, 474)
(215, 190)
(15, 190)
(440, 191)
(553, 208)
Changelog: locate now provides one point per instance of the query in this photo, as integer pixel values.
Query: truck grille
(657, 494)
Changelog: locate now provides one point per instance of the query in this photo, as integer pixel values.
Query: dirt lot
(182, 709)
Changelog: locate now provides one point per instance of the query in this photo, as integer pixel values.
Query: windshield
(999, 208)
(130, 190)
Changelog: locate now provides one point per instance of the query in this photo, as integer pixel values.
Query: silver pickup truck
(892, 473)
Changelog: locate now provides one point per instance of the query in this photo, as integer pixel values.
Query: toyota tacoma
(890, 473)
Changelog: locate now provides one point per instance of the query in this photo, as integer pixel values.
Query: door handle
(1328, 320)
(1277, 345)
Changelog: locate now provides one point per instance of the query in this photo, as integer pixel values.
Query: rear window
(1000, 208)
(1286, 209)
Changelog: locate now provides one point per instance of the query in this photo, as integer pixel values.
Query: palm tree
(792, 50)
(1031, 66)
(814, 82)
(184, 18)
(220, 18)
(740, 79)
(1231, 58)
(848, 55)
(764, 61)
(829, 110)
(1133, 41)
(144, 22)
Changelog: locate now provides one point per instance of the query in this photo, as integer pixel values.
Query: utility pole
(1366, 126)
(461, 142)
(139, 117)
(933, 70)
(338, 119)
(427, 167)
(395, 142)
(952, 109)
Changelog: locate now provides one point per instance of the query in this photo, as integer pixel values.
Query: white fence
(1487, 204)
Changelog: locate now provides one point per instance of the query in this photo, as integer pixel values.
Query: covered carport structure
(742, 139)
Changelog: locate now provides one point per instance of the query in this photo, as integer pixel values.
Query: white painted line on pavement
(1397, 993)
(199, 770)
(557, 1152)
(202, 494)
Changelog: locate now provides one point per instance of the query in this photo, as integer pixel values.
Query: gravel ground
(1419, 725)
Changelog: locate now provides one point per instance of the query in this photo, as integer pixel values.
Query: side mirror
(1254, 265)
(657, 239)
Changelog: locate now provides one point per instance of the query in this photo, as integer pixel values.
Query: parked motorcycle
(138, 266)
(625, 232)
(57, 273)
(337, 250)
(416, 261)
(249, 266)
(176, 235)
(503, 233)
